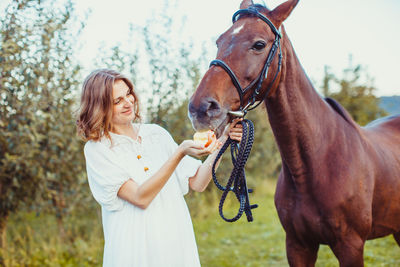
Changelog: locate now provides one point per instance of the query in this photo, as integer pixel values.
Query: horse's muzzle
(207, 114)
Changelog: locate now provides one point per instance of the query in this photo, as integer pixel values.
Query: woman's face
(123, 101)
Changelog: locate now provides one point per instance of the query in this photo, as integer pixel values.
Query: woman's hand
(191, 148)
(204, 174)
(234, 130)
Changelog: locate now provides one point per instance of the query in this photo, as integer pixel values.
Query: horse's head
(246, 51)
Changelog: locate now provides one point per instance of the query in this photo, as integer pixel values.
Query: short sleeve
(105, 175)
(186, 168)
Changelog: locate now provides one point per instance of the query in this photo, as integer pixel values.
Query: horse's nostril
(213, 108)
(213, 105)
(208, 107)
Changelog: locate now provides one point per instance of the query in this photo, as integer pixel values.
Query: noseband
(264, 72)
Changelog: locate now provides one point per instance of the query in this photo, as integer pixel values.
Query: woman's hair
(95, 112)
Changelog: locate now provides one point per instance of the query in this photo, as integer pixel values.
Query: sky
(322, 32)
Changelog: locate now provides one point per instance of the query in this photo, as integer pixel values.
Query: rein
(240, 152)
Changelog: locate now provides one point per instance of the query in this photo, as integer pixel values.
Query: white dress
(160, 235)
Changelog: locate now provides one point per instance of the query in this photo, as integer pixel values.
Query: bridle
(240, 152)
(264, 72)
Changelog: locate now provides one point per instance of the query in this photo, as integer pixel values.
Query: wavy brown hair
(95, 112)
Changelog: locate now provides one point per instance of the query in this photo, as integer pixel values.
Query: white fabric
(162, 234)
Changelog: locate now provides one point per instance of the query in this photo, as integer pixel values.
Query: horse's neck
(297, 114)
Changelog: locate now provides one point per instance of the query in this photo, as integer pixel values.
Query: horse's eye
(259, 45)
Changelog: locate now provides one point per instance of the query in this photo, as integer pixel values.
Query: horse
(339, 184)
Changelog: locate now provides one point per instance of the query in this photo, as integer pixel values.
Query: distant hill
(391, 104)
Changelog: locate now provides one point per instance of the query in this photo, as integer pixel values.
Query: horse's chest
(303, 218)
(300, 215)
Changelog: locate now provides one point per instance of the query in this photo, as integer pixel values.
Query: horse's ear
(246, 3)
(281, 12)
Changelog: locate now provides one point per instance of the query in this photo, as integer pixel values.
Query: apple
(204, 138)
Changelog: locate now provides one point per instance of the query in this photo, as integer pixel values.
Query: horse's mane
(341, 111)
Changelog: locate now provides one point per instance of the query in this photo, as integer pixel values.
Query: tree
(357, 97)
(39, 148)
(119, 60)
(173, 69)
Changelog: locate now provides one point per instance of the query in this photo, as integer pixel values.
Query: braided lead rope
(239, 155)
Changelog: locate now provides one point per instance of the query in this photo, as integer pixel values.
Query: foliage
(39, 149)
(119, 60)
(19, 172)
(356, 97)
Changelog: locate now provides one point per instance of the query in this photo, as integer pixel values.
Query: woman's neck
(127, 130)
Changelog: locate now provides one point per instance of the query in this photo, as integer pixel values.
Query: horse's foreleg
(300, 255)
(350, 251)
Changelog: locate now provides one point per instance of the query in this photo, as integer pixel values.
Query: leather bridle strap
(264, 72)
(254, 11)
(228, 70)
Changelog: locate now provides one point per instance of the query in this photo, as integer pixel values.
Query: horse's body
(340, 183)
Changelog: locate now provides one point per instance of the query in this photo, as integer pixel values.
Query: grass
(259, 243)
(34, 241)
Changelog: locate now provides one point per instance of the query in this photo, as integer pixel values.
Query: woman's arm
(203, 175)
(142, 195)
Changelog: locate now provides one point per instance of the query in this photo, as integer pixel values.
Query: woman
(138, 174)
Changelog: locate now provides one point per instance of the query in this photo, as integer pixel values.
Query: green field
(33, 240)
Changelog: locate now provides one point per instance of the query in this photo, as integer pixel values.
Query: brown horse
(340, 183)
